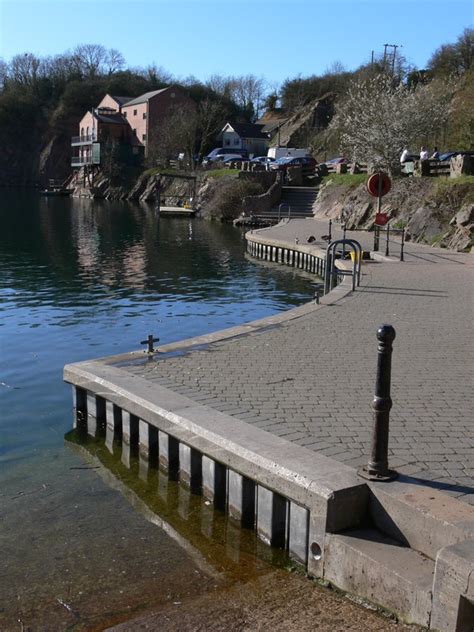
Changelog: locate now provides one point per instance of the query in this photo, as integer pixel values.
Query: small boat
(56, 192)
(57, 188)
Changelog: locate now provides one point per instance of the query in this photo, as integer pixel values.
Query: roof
(271, 126)
(121, 100)
(248, 130)
(112, 118)
(145, 97)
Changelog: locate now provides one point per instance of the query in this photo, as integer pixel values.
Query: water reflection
(84, 279)
(223, 543)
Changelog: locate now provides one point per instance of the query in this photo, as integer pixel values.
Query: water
(84, 279)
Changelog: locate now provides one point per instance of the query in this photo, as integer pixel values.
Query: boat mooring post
(149, 341)
(377, 468)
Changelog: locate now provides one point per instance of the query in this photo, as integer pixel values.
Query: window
(227, 141)
(135, 112)
(125, 114)
(144, 115)
(143, 136)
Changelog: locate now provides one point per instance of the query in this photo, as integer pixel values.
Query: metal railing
(84, 139)
(332, 273)
(281, 206)
(389, 231)
(80, 161)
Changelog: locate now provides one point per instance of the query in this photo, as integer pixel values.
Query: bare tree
(220, 85)
(24, 69)
(114, 61)
(157, 75)
(377, 119)
(3, 74)
(248, 92)
(176, 134)
(90, 59)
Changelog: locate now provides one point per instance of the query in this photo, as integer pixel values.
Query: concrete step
(377, 568)
(420, 517)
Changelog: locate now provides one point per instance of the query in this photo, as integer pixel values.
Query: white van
(285, 152)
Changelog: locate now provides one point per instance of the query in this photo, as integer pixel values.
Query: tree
(377, 119)
(176, 134)
(454, 59)
(90, 59)
(248, 92)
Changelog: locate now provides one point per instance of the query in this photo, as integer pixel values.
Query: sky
(274, 39)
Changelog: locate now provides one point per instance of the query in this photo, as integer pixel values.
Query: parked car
(450, 154)
(223, 151)
(224, 158)
(263, 160)
(282, 164)
(335, 161)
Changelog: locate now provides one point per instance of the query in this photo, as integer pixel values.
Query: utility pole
(393, 55)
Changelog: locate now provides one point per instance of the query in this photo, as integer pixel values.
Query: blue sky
(275, 39)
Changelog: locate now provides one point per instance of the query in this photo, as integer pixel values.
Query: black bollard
(149, 341)
(377, 468)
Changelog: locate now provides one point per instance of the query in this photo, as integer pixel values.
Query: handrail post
(387, 249)
(376, 238)
(402, 247)
(377, 467)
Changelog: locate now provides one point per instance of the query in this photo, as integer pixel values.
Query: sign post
(378, 185)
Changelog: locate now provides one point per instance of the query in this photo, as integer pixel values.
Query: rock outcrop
(432, 211)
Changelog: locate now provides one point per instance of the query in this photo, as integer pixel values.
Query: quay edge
(402, 546)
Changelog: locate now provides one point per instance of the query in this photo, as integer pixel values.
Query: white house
(244, 136)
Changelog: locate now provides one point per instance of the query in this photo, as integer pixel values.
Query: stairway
(299, 200)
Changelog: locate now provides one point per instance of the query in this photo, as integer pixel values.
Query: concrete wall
(254, 204)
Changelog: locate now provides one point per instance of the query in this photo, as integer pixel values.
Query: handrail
(85, 138)
(331, 273)
(283, 204)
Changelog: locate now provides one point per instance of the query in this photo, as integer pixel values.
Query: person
(424, 153)
(435, 155)
(405, 155)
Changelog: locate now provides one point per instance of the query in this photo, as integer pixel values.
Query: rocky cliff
(432, 210)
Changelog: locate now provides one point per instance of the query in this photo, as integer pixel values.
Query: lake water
(84, 279)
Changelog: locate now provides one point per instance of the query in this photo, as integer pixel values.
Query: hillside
(436, 211)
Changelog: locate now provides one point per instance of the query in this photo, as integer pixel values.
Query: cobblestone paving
(310, 380)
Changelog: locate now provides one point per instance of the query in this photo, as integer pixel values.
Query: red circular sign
(378, 184)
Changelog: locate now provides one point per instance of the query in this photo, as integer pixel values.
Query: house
(127, 122)
(247, 136)
(147, 112)
(98, 127)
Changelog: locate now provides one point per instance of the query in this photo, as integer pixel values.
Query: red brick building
(126, 121)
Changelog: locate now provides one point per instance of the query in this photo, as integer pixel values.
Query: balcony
(85, 139)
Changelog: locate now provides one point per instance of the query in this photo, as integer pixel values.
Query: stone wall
(255, 204)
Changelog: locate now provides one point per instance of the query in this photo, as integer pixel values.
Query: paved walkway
(310, 380)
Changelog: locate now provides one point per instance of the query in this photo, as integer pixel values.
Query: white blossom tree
(377, 119)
